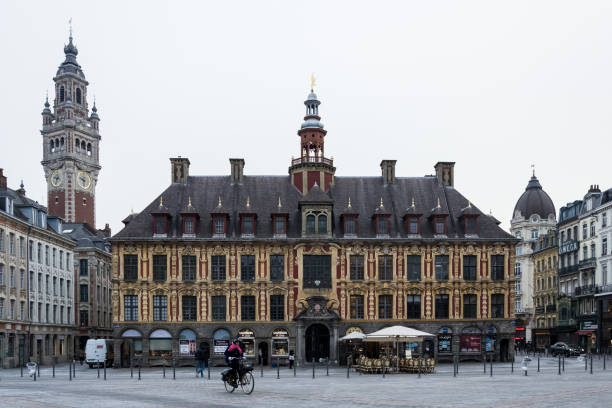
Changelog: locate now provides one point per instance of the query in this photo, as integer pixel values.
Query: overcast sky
(494, 86)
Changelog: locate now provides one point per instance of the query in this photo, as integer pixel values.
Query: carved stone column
(299, 344)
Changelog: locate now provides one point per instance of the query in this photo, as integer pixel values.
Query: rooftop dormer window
(470, 225)
(219, 225)
(440, 224)
(317, 222)
(279, 222)
(247, 224)
(350, 225)
(160, 225)
(189, 224)
(382, 225)
(413, 224)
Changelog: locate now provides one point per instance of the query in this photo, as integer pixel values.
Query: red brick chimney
(2, 179)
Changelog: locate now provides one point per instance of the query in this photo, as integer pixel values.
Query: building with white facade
(603, 299)
(36, 282)
(533, 215)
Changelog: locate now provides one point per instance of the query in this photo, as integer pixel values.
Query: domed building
(533, 216)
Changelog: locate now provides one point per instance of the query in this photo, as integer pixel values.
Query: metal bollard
(563, 363)
(327, 368)
(512, 365)
(38, 368)
(73, 368)
(139, 371)
(484, 364)
(173, 369)
(491, 366)
(277, 368)
(313, 368)
(98, 367)
(164, 369)
(131, 369)
(454, 366)
(604, 362)
(586, 360)
(261, 367)
(383, 369)
(104, 370)
(538, 364)
(69, 372)
(34, 376)
(208, 367)
(348, 368)
(53, 365)
(294, 368)
(419, 368)
(559, 365)
(591, 363)
(21, 366)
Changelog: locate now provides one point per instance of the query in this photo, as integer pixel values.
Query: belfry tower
(312, 166)
(70, 144)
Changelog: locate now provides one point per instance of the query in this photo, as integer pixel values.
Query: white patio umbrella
(353, 336)
(397, 333)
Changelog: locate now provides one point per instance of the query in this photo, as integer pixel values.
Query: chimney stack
(388, 171)
(2, 179)
(179, 169)
(445, 172)
(237, 166)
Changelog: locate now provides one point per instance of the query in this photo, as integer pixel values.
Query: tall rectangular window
(442, 306)
(12, 245)
(413, 268)
(159, 268)
(385, 306)
(219, 225)
(317, 271)
(247, 268)
(357, 307)
(497, 306)
(130, 308)
(277, 307)
(22, 280)
(385, 267)
(247, 225)
(356, 267)
(84, 293)
(217, 268)
(413, 307)
(349, 224)
(277, 268)
(497, 267)
(218, 308)
(1, 274)
(382, 224)
(440, 225)
(189, 225)
(189, 268)
(84, 318)
(160, 224)
(247, 307)
(469, 306)
(469, 267)
(279, 225)
(130, 268)
(442, 267)
(190, 308)
(413, 225)
(83, 270)
(160, 308)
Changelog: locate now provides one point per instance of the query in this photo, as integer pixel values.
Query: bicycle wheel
(247, 382)
(228, 387)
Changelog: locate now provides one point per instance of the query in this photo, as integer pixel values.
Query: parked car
(564, 349)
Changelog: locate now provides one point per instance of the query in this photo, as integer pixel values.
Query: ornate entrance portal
(317, 342)
(317, 331)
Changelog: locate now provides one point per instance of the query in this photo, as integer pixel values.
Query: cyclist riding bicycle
(233, 353)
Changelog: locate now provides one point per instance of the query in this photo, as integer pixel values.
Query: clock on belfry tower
(71, 141)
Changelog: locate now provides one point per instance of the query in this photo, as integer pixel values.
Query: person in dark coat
(202, 355)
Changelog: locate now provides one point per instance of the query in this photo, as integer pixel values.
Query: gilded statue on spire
(312, 82)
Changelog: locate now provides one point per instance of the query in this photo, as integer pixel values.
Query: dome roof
(312, 123)
(534, 201)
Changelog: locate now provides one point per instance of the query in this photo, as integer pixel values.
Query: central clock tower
(71, 140)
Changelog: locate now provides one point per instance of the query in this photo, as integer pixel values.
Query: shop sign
(246, 333)
(489, 344)
(280, 333)
(470, 343)
(445, 343)
(568, 246)
(184, 347)
(220, 345)
(588, 325)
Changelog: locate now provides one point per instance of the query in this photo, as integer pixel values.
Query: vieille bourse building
(293, 263)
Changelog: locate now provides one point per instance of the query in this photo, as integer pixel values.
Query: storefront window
(187, 343)
(410, 348)
(445, 340)
(160, 343)
(280, 343)
(136, 338)
(469, 342)
(490, 339)
(247, 342)
(221, 339)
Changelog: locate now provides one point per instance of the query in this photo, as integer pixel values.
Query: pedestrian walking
(201, 355)
(291, 359)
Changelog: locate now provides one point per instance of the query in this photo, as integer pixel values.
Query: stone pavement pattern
(472, 388)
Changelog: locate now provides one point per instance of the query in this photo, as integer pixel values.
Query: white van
(97, 351)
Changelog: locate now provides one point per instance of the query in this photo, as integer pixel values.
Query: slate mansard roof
(263, 194)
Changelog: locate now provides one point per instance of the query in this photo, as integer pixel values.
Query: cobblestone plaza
(472, 387)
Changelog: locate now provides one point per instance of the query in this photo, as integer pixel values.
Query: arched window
(89, 149)
(62, 94)
(52, 146)
(77, 145)
(57, 145)
(310, 224)
(78, 95)
(160, 343)
(62, 143)
(322, 224)
(83, 146)
(221, 339)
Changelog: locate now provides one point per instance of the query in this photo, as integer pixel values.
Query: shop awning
(585, 332)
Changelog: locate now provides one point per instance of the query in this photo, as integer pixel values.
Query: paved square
(471, 388)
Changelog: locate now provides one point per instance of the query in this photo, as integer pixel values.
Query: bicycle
(245, 380)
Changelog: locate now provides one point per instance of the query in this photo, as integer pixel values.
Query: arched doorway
(428, 348)
(262, 353)
(317, 342)
(504, 350)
